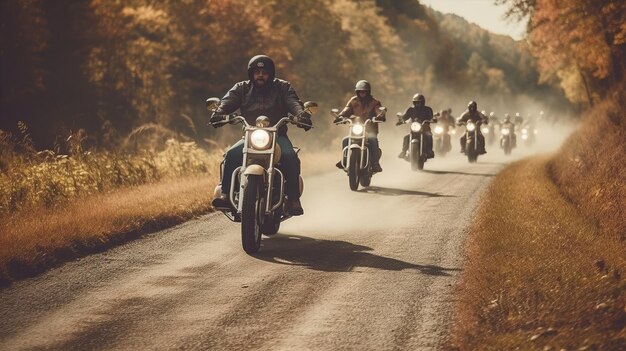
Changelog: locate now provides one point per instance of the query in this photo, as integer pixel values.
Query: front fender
(254, 170)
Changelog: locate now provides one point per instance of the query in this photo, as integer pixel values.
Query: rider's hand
(381, 118)
(338, 119)
(305, 120)
(399, 123)
(216, 118)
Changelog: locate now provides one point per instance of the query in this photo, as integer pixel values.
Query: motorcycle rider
(519, 120)
(507, 123)
(472, 114)
(419, 112)
(264, 94)
(364, 105)
(446, 120)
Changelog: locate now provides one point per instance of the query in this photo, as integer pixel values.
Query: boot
(221, 203)
(402, 154)
(339, 165)
(376, 168)
(294, 207)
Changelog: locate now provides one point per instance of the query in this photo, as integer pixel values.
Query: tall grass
(46, 178)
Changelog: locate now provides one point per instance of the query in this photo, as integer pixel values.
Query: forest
(109, 67)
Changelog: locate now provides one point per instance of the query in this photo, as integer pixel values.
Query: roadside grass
(40, 234)
(31, 241)
(538, 274)
(590, 169)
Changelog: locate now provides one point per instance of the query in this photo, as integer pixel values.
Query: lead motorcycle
(257, 193)
(417, 130)
(355, 158)
(472, 146)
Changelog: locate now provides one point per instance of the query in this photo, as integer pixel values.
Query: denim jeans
(372, 140)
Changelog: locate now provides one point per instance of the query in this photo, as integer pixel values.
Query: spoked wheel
(251, 212)
(353, 170)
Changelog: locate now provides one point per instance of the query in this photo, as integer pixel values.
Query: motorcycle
(415, 153)
(442, 139)
(489, 133)
(356, 155)
(529, 135)
(257, 193)
(506, 139)
(472, 147)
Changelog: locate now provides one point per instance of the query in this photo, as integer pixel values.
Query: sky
(481, 12)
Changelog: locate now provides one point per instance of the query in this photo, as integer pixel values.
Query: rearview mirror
(383, 109)
(399, 114)
(311, 106)
(334, 111)
(212, 104)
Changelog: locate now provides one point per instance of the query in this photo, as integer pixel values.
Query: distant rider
(364, 105)
(472, 114)
(419, 112)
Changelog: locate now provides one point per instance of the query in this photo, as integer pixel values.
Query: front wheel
(366, 180)
(251, 212)
(416, 158)
(271, 224)
(353, 169)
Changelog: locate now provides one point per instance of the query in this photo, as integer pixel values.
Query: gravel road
(367, 270)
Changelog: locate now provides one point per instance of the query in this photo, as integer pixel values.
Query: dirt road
(371, 270)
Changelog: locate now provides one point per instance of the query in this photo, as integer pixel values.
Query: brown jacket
(367, 109)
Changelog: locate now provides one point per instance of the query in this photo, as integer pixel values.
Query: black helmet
(261, 61)
(419, 97)
(472, 106)
(363, 85)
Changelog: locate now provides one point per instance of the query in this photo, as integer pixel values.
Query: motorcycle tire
(365, 180)
(271, 225)
(353, 169)
(415, 157)
(251, 212)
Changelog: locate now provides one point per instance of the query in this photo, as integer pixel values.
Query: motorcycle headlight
(485, 130)
(536, 131)
(452, 132)
(416, 127)
(438, 130)
(471, 127)
(524, 131)
(505, 131)
(357, 129)
(524, 136)
(260, 139)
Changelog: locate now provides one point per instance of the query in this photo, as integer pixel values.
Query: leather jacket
(275, 101)
(365, 108)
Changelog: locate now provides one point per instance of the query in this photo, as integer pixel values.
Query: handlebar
(233, 118)
(351, 119)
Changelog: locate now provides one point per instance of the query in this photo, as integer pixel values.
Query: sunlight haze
(483, 13)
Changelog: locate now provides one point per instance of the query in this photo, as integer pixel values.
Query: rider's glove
(215, 118)
(381, 118)
(338, 119)
(399, 123)
(305, 120)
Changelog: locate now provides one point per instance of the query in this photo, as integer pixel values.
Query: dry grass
(31, 241)
(590, 170)
(78, 220)
(538, 275)
(50, 179)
